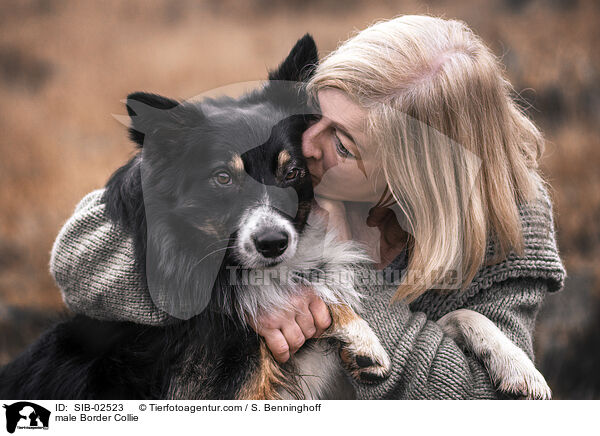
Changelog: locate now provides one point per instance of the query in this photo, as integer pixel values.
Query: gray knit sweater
(93, 264)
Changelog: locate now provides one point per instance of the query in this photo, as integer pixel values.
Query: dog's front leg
(361, 352)
(509, 367)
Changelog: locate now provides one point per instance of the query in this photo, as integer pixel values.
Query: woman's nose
(311, 149)
(310, 144)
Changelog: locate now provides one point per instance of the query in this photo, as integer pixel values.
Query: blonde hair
(457, 153)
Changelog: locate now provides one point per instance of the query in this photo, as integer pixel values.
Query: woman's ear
(147, 113)
(300, 64)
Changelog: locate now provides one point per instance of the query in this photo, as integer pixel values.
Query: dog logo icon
(26, 415)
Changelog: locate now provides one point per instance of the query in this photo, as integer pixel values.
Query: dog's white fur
(509, 367)
(320, 261)
(338, 263)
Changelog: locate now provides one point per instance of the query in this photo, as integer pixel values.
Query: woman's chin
(333, 195)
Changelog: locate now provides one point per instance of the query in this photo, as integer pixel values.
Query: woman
(415, 107)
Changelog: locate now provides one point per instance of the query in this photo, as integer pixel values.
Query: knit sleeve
(93, 263)
(426, 364)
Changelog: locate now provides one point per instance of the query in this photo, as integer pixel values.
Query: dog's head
(224, 180)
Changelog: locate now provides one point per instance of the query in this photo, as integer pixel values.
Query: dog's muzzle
(266, 237)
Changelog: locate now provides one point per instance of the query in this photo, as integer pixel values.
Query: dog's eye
(292, 174)
(223, 178)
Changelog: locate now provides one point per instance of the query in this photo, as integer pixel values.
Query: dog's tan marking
(211, 228)
(342, 315)
(237, 164)
(361, 352)
(268, 379)
(283, 159)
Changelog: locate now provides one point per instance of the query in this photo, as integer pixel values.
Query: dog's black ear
(147, 112)
(300, 64)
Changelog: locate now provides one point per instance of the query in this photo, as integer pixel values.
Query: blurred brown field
(65, 67)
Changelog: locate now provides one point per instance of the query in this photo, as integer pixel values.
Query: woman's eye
(292, 174)
(339, 147)
(313, 119)
(223, 178)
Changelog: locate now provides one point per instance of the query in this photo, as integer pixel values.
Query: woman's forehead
(339, 108)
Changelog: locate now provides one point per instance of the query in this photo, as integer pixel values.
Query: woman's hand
(393, 238)
(286, 331)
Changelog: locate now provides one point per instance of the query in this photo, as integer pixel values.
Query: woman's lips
(315, 171)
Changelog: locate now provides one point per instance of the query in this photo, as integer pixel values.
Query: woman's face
(341, 160)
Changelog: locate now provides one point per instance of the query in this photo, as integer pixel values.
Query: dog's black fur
(214, 353)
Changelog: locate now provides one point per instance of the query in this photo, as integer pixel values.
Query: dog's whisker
(218, 242)
(211, 253)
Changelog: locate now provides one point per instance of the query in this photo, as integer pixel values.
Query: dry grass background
(65, 66)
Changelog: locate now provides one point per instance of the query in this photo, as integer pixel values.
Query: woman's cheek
(341, 189)
(333, 188)
(347, 182)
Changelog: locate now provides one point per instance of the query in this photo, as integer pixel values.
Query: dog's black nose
(270, 243)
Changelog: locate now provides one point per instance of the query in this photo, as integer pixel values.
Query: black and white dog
(218, 199)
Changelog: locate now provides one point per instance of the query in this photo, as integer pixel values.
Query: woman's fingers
(277, 343)
(306, 322)
(294, 336)
(320, 315)
(286, 331)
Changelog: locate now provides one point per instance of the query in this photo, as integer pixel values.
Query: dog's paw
(520, 378)
(508, 366)
(363, 355)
